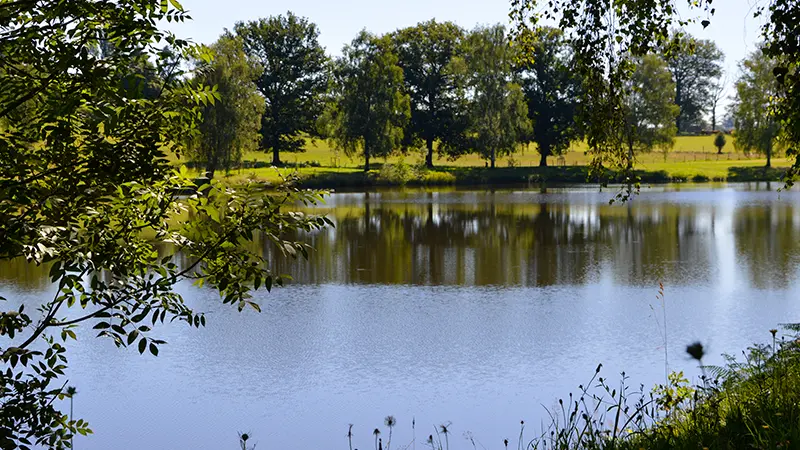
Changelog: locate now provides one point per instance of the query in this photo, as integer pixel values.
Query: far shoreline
(529, 177)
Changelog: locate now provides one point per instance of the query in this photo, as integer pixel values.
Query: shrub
(420, 169)
(398, 173)
(719, 142)
(434, 178)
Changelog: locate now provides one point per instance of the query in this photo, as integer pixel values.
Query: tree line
(443, 89)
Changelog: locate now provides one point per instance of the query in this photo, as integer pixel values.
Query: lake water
(478, 307)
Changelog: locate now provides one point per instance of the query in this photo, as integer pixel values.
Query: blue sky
(733, 28)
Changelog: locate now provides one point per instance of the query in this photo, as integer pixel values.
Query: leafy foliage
(498, 114)
(756, 127)
(230, 126)
(85, 185)
(552, 90)
(781, 34)
(649, 110)
(370, 109)
(603, 30)
(605, 36)
(695, 65)
(293, 78)
(719, 142)
(429, 54)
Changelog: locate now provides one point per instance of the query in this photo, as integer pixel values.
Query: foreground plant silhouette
(749, 403)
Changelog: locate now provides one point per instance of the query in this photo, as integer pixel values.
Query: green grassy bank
(399, 174)
(693, 159)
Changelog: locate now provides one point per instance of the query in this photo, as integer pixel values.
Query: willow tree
(230, 125)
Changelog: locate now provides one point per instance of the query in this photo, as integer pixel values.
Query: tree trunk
(211, 166)
(714, 120)
(769, 155)
(366, 159)
(276, 157)
(630, 156)
(429, 156)
(679, 102)
(492, 159)
(543, 158)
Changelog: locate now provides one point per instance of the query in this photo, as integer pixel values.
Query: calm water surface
(478, 308)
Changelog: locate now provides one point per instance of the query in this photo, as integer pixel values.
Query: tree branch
(54, 306)
(85, 317)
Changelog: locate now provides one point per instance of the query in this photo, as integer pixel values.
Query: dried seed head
(696, 351)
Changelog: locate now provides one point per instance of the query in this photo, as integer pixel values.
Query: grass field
(692, 158)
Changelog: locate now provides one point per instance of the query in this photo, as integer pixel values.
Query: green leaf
(141, 316)
(55, 271)
(142, 345)
(132, 336)
(153, 349)
(213, 213)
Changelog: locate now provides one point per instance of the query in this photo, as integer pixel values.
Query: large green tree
(370, 108)
(552, 91)
(649, 108)
(602, 30)
(428, 54)
(87, 187)
(498, 114)
(230, 125)
(757, 128)
(601, 57)
(292, 81)
(696, 65)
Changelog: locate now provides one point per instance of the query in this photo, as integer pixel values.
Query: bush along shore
(751, 402)
(402, 174)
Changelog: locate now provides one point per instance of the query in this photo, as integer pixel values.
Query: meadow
(693, 158)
